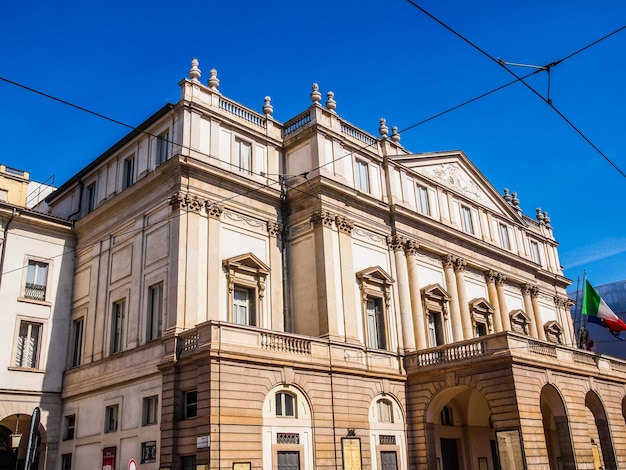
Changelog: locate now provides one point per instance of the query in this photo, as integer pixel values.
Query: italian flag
(599, 312)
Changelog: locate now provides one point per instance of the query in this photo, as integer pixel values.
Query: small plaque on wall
(242, 465)
(351, 449)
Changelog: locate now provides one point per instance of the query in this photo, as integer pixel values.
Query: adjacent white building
(36, 279)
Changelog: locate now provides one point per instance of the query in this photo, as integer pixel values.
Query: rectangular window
(70, 426)
(361, 176)
(66, 462)
(28, 345)
(162, 148)
(36, 280)
(110, 418)
(243, 306)
(243, 156)
(128, 175)
(285, 404)
(77, 342)
(435, 329)
(504, 236)
(154, 315)
(466, 216)
(288, 460)
(190, 404)
(534, 251)
(150, 410)
(90, 198)
(376, 324)
(117, 326)
(422, 200)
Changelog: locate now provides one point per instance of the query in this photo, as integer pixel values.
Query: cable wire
(546, 68)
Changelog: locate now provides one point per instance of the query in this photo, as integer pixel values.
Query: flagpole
(577, 315)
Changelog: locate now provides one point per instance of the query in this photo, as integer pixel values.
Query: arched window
(285, 404)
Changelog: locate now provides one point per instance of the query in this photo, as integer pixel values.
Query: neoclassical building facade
(251, 294)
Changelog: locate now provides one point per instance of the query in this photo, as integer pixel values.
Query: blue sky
(382, 59)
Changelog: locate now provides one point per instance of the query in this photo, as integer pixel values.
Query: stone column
(276, 307)
(530, 312)
(214, 263)
(348, 280)
(537, 310)
(563, 317)
(466, 319)
(396, 243)
(490, 279)
(504, 310)
(455, 312)
(325, 274)
(419, 322)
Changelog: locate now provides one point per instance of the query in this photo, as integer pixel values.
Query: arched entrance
(387, 438)
(556, 430)
(287, 430)
(604, 456)
(459, 431)
(13, 458)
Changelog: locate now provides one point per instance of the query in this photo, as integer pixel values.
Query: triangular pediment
(481, 305)
(455, 172)
(435, 292)
(519, 316)
(247, 262)
(376, 275)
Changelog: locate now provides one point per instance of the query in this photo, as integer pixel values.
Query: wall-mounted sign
(108, 458)
(148, 452)
(202, 442)
(351, 449)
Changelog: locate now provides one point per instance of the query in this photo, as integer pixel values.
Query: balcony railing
(35, 292)
(450, 353)
(285, 343)
(243, 113)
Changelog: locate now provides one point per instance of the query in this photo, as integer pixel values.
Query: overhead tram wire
(544, 68)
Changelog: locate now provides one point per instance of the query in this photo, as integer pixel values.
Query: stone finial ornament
(331, 104)
(507, 196)
(194, 71)
(546, 218)
(539, 214)
(316, 96)
(214, 82)
(514, 200)
(382, 128)
(268, 109)
(395, 135)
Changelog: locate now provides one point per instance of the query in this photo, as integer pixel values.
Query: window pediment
(519, 321)
(375, 275)
(554, 332)
(247, 263)
(435, 293)
(480, 305)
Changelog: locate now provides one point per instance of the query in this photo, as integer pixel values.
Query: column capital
(411, 247)
(561, 302)
(344, 225)
(500, 279)
(185, 201)
(448, 261)
(459, 265)
(396, 242)
(274, 229)
(530, 289)
(323, 218)
(491, 276)
(213, 210)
